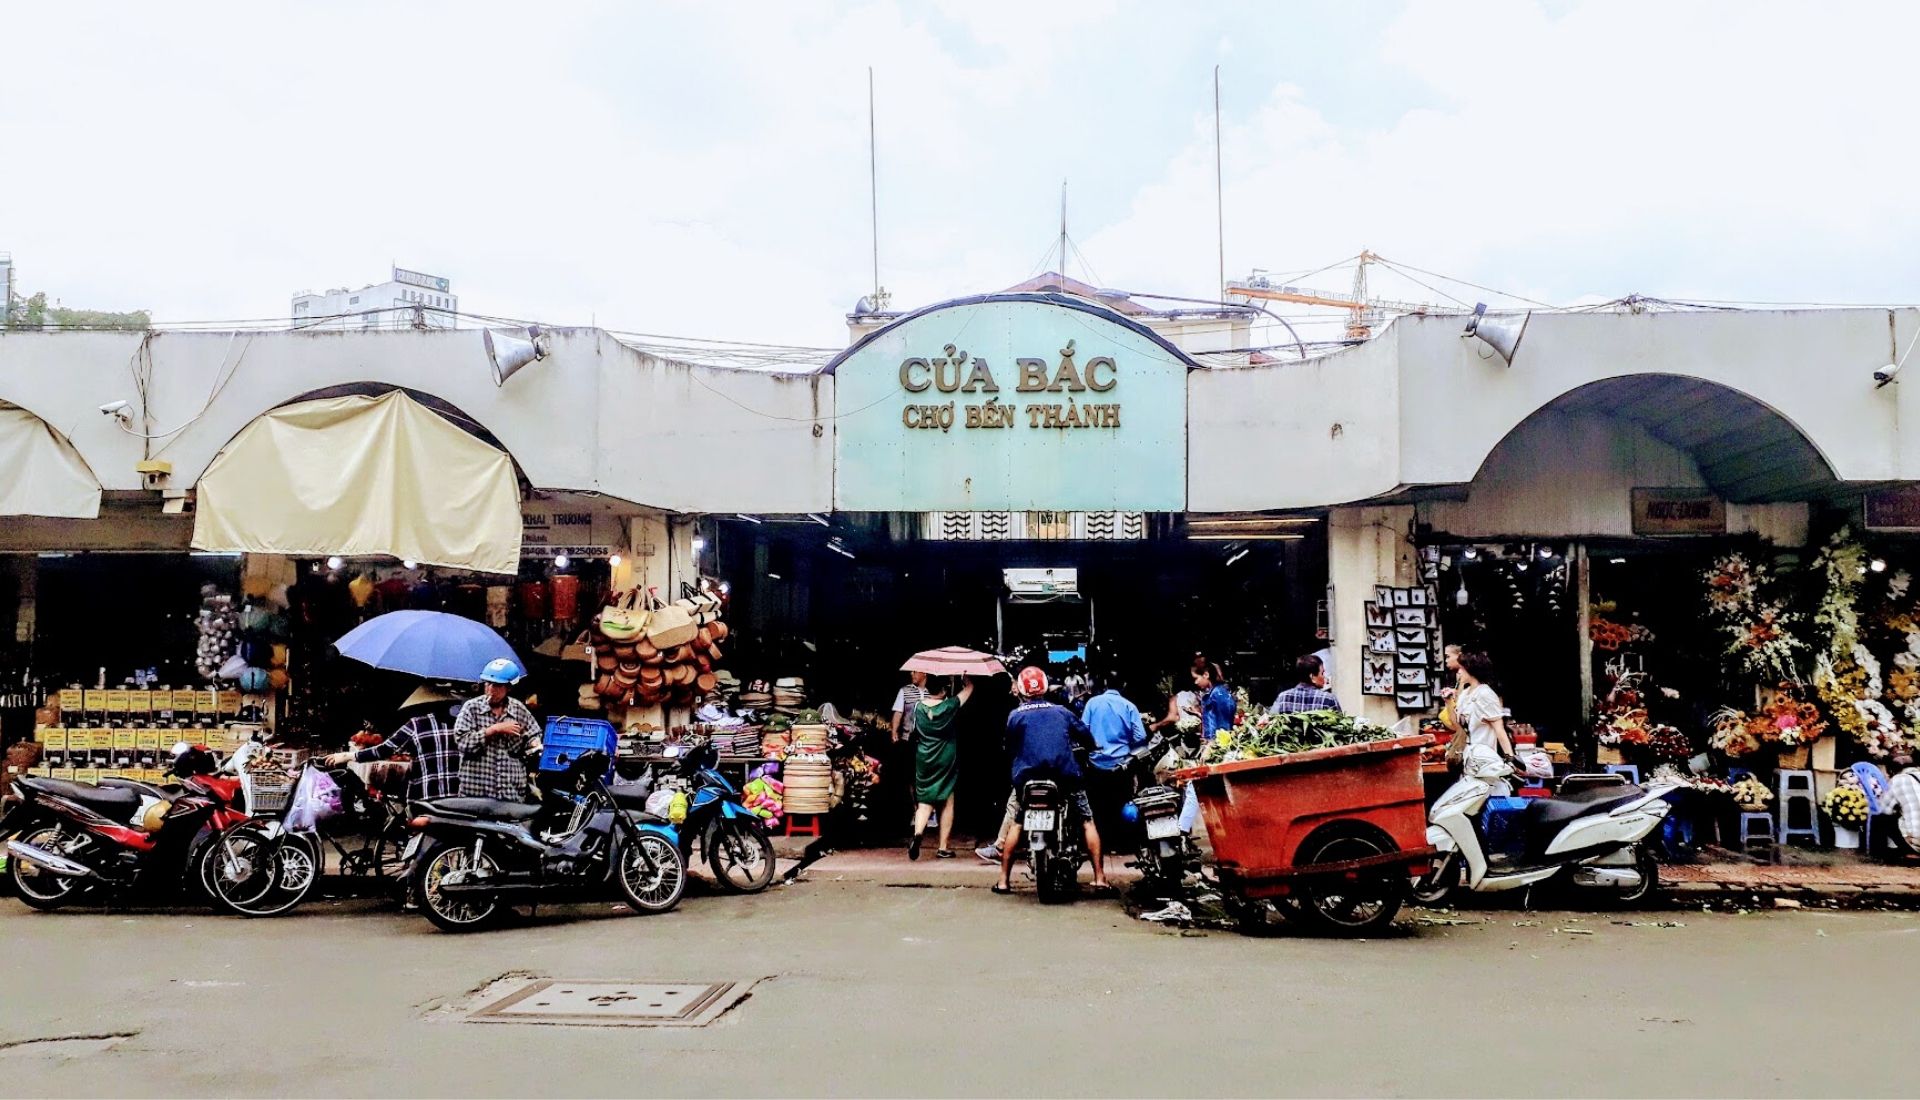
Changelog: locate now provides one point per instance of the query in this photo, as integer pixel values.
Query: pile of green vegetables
(1259, 733)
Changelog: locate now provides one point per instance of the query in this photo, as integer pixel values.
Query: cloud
(702, 169)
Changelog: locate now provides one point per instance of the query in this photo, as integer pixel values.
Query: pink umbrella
(954, 661)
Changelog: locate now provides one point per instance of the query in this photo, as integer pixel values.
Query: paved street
(868, 989)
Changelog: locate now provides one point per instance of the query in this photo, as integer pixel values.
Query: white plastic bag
(315, 799)
(659, 802)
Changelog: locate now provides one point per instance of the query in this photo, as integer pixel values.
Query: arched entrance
(1592, 521)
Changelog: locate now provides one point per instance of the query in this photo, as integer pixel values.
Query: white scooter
(1594, 837)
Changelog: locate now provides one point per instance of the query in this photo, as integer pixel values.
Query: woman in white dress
(1478, 708)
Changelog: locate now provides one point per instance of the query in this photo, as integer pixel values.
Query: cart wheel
(1351, 906)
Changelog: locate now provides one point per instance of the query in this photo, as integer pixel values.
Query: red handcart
(1331, 837)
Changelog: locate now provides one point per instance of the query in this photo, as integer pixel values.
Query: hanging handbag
(623, 620)
(671, 625)
(566, 597)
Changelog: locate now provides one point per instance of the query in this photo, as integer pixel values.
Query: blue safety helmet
(501, 670)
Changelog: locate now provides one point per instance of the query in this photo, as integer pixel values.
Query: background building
(410, 299)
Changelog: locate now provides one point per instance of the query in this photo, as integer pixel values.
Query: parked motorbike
(1594, 838)
(733, 839)
(268, 863)
(1166, 854)
(119, 837)
(474, 856)
(1056, 840)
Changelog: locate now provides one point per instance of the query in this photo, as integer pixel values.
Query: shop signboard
(1894, 509)
(1024, 403)
(1678, 512)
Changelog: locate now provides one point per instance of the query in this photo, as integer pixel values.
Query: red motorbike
(120, 837)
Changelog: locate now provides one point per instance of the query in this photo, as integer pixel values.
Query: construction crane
(1364, 314)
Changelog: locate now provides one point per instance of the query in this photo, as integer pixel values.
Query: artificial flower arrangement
(1733, 733)
(1846, 805)
(1623, 714)
(1733, 584)
(1793, 720)
(1608, 635)
(1711, 786)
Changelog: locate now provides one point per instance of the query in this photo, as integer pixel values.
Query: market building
(1046, 471)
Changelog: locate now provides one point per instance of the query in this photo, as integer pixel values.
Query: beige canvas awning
(362, 475)
(40, 473)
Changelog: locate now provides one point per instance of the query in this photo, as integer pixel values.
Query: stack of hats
(757, 696)
(789, 693)
(809, 783)
(726, 684)
(810, 739)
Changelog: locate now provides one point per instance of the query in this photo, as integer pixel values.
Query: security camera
(1885, 374)
(116, 409)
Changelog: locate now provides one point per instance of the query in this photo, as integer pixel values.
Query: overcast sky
(702, 169)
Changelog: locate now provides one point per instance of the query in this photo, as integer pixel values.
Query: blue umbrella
(431, 644)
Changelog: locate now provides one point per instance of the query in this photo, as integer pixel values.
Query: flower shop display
(1846, 806)
(1667, 744)
(1760, 630)
(1622, 720)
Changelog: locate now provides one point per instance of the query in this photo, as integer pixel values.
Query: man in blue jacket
(1040, 738)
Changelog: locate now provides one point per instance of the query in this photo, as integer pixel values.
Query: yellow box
(207, 703)
(110, 773)
(230, 701)
(140, 701)
(65, 773)
(184, 702)
(126, 739)
(73, 700)
(117, 700)
(55, 739)
(100, 740)
(86, 775)
(149, 738)
(94, 700)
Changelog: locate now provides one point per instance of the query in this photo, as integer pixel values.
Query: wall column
(1365, 546)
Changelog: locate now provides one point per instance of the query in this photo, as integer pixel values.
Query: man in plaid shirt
(1310, 693)
(426, 736)
(495, 732)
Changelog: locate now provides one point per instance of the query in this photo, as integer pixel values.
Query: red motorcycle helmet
(1032, 682)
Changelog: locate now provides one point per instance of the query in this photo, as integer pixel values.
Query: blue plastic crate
(567, 739)
(1500, 824)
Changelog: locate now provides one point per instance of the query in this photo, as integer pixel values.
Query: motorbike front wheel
(454, 913)
(652, 873)
(740, 854)
(40, 888)
(255, 875)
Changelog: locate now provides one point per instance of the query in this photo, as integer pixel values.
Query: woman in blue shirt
(1217, 706)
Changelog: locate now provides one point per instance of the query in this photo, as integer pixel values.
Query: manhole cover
(612, 1004)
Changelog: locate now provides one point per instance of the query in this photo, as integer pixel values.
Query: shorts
(1080, 802)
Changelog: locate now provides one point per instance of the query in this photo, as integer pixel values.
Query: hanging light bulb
(1470, 553)
(613, 560)
(699, 543)
(409, 564)
(335, 561)
(1878, 565)
(1460, 597)
(561, 561)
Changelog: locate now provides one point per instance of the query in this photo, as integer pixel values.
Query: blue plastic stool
(1796, 788)
(1631, 771)
(1757, 826)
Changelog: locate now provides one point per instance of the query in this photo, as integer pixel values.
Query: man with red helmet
(1040, 738)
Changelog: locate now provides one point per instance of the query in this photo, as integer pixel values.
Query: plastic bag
(659, 802)
(315, 799)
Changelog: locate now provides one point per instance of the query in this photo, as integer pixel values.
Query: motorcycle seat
(110, 801)
(1549, 813)
(491, 808)
(158, 790)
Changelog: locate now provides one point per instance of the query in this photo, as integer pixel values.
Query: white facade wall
(394, 298)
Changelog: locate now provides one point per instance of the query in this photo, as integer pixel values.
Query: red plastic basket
(1258, 812)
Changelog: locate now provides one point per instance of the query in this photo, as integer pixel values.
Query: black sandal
(999, 889)
(943, 853)
(913, 848)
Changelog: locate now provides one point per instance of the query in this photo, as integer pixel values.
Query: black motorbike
(1056, 840)
(1166, 855)
(472, 857)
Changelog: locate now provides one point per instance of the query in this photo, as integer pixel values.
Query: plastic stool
(1631, 771)
(811, 828)
(1756, 826)
(1796, 787)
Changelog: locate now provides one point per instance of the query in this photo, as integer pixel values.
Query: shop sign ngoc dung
(1678, 512)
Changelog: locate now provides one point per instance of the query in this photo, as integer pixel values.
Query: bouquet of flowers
(1711, 786)
(1666, 743)
(1793, 721)
(1733, 584)
(1751, 795)
(1623, 714)
(1732, 734)
(1846, 805)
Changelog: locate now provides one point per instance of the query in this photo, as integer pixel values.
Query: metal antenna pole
(873, 181)
(1063, 233)
(1219, 190)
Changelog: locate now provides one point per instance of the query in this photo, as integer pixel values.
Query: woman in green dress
(937, 760)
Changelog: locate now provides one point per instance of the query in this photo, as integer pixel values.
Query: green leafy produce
(1259, 733)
